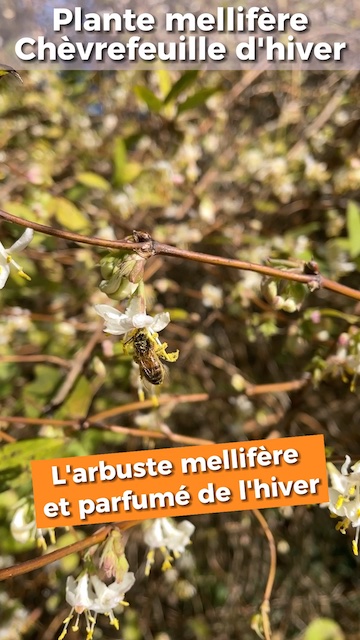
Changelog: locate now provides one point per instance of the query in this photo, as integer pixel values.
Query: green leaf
(36, 394)
(68, 215)
(124, 172)
(119, 158)
(150, 99)
(21, 210)
(184, 82)
(78, 402)
(323, 629)
(16, 456)
(19, 454)
(93, 181)
(353, 228)
(197, 99)
(164, 80)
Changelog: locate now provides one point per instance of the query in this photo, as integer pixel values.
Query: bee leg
(169, 357)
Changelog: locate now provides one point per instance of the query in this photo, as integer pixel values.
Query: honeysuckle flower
(344, 497)
(80, 597)
(135, 317)
(107, 597)
(23, 528)
(170, 538)
(6, 258)
(90, 596)
(113, 560)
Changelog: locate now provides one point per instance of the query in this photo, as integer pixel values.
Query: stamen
(150, 558)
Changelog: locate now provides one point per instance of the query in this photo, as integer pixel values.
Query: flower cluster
(344, 497)
(163, 534)
(90, 596)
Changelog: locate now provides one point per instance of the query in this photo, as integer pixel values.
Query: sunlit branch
(151, 248)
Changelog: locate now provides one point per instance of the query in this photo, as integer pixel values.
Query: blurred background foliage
(247, 165)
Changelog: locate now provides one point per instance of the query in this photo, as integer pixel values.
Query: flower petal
(136, 305)
(78, 594)
(160, 321)
(339, 482)
(109, 313)
(153, 535)
(141, 320)
(3, 253)
(4, 274)
(345, 467)
(22, 242)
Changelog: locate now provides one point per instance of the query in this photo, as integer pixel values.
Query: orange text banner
(180, 481)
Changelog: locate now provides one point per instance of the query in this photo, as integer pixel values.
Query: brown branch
(276, 387)
(158, 435)
(55, 422)
(265, 606)
(37, 358)
(42, 561)
(76, 368)
(147, 404)
(69, 235)
(158, 248)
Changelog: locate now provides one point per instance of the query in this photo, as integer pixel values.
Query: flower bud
(118, 288)
(113, 559)
(269, 289)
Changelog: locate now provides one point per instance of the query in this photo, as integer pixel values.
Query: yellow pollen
(339, 502)
(355, 548)
(166, 564)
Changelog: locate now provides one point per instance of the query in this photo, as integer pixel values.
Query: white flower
(107, 597)
(89, 595)
(135, 317)
(163, 534)
(344, 496)
(80, 598)
(212, 296)
(22, 530)
(78, 594)
(6, 257)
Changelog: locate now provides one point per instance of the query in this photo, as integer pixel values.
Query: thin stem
(265, 606)
(42, 561)
(146, 404)
(151, 248)
(37, 358)
(69, 235)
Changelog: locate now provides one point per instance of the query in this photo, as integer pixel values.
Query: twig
(148, 433)
(152, 248)
(42, 561)
(53, 556)
(37, 358)
(265, 606)
(80, 359)
(147, 404)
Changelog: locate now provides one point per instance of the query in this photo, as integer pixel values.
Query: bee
(151, 368)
